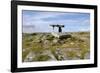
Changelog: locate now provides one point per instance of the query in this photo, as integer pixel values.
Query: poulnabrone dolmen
(59, 34)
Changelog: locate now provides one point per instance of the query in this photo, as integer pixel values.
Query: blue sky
(40, 21)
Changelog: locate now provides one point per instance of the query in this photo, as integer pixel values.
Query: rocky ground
(46, 47)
